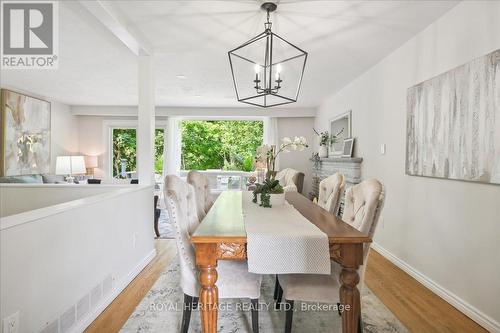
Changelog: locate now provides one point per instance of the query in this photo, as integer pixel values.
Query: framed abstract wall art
(25, 134)
(453, 123)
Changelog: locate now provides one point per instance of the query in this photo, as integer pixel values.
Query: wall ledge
(34, 215)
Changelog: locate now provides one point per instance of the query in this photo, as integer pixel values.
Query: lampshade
(91, 161)
(70, 165)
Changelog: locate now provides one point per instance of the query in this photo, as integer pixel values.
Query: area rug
(165, 226)
(161, 311)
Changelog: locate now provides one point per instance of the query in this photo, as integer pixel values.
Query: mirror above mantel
(340, 126)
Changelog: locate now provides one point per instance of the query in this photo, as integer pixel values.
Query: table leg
(209, 295)
(349, 296)
(349, 293)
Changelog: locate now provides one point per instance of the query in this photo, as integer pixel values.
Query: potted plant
(325, 140)
(270, 191)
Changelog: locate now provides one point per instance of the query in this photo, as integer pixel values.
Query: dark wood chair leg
(276, 286)
(289, 316)
(277, 305)
(196, 303)
(255, 315)
(360, 324)
(156, 215)
(186, 313)
(157, 218)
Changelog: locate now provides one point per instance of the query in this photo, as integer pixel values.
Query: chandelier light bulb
(256, 68)
(278, 72)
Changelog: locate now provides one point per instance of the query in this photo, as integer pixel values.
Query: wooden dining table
(222, 236)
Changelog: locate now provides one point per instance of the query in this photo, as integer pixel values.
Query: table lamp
(91, 164)
(70, 165)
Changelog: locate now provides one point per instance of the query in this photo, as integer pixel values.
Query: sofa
(34, 179)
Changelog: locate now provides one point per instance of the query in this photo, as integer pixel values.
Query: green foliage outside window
(159, 142)
(125, 147)
(220, 144)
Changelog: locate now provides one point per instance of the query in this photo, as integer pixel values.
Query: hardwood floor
(414, 305)
(117, 313)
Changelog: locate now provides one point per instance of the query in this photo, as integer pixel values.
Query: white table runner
(282, 241)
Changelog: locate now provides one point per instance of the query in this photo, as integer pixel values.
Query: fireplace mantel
(324, 167)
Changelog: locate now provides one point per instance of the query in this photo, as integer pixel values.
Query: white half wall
(448, 232)
(62, 264)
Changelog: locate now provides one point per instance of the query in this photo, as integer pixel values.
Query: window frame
(109, 126)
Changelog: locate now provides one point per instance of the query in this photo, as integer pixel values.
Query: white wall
(298, 160)
(446, 231)
(64, 132)
(53, 258)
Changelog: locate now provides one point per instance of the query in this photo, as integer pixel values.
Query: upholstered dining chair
(234, 280)
(330, 192)
(202, 192)
(291, 180)
(363, 204)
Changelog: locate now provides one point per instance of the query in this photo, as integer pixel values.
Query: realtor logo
(29, 35)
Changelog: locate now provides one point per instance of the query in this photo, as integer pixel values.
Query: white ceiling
(191, 38)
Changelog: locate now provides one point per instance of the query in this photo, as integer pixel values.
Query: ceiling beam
(114, 22)
(194, 112)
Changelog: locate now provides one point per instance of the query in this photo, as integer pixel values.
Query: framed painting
(25, 134)
(348, 147)
(453, 123)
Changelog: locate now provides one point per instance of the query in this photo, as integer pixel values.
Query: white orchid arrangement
(267, 153)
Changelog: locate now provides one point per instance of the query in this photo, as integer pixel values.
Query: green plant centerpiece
(267, 154)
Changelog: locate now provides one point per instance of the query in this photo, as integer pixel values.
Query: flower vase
(323, 151)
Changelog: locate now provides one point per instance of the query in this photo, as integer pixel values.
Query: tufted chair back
(363, 204)
(181, 205)
(330, 191)
(291, 180)
(202, 193)
(362, 208)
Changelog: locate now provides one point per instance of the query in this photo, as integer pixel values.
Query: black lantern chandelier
(267, 70)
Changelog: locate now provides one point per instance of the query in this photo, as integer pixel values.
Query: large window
(220, 144)
(125, 152)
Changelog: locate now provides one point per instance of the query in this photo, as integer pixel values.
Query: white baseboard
(482, 319)
(117, 289)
